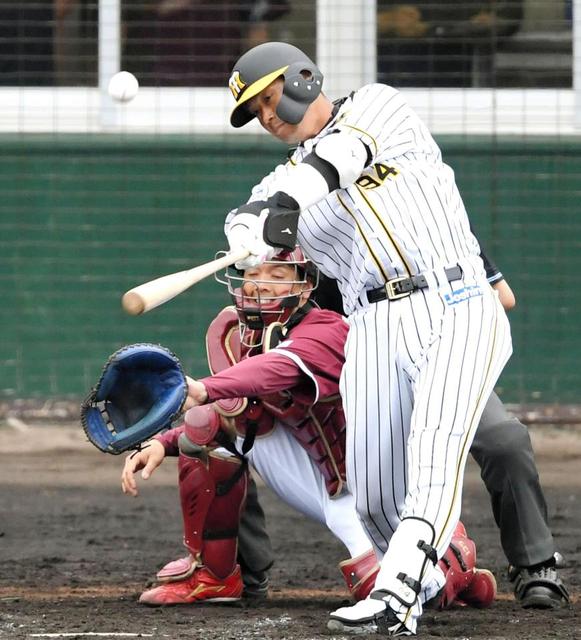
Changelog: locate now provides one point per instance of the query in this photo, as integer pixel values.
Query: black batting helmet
(263, 64)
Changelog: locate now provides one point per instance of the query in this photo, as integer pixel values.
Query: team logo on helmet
(236, 84)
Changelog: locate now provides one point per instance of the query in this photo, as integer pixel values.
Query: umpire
(503, 450)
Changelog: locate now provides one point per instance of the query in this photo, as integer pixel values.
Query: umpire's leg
(255, 554)
(502, 448)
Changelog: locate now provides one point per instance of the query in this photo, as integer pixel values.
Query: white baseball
(123, 86)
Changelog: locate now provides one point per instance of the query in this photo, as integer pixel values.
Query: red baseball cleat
(203, 586)
(481, 591)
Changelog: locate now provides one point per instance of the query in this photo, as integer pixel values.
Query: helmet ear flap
(302, 82)
(302, 85)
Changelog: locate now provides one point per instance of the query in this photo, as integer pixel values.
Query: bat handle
(233, 257)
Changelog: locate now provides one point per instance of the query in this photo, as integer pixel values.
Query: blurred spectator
(75, 44)
(439, 43)
(26, 41)
(192, 42)
(34, 44)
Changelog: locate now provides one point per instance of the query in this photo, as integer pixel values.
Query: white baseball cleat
(364, 617)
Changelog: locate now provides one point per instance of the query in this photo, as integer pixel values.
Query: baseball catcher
(140, 392)
(272, 401)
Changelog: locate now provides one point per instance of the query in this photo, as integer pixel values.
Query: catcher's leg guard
(221, 528)
(212, 493)
(465, 583)
(360, 573)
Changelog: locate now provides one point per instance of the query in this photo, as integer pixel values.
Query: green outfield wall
(83, 218)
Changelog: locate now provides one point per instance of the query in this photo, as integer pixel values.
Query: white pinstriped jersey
(404, 215)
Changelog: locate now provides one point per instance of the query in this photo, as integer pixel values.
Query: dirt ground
(76, 553)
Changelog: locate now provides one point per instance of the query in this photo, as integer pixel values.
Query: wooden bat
(151, 294)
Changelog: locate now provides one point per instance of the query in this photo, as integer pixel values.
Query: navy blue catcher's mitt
(141, 390)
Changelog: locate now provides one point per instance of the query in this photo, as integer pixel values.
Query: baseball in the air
(123, 86)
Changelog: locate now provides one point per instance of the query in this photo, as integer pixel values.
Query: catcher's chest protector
(319, 428)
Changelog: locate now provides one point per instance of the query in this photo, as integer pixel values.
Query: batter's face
(264, 105)
(268, 281)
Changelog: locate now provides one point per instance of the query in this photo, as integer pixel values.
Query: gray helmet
(263, 64)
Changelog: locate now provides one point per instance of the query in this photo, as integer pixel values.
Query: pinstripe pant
(417, 376)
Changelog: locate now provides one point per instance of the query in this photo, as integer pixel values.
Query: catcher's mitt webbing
(141, 390)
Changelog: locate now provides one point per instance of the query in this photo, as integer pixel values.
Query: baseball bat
(151, 294)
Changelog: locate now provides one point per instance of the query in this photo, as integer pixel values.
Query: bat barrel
(156, 292)
(133, 303)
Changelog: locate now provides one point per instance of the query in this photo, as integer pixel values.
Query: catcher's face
(264, 105)
(271, 283)
(271, 292)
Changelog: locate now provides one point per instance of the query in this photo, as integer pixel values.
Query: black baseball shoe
(255, 585)
(538, 587)
(365, 617)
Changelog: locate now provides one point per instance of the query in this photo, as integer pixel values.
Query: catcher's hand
(148, 459)
(197, 393)
(141, 390)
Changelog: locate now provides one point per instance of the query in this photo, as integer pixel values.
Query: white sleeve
(267, 187)
(300, 181)
(270, 184)
(382, 119)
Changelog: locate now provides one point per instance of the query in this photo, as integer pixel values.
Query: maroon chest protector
(319, 427)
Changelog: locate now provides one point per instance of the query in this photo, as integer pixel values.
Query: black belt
(404, 287)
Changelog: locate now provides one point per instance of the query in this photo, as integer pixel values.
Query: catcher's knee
(202, 424)
(189, 448)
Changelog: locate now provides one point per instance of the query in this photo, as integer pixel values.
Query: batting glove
(245, 231)
(264, 228)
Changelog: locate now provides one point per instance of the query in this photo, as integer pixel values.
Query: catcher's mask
(263, 64)
(259, 308)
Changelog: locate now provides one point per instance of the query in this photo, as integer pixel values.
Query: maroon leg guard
(465, 583)
(197, 490)
(221, 527)
(212, 494)
(360, 573)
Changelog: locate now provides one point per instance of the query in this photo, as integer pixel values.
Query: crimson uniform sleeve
(169, 440)
(308, 361)
(253, 377)
(317, 346)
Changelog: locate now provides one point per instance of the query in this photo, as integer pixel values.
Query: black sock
(547, 564)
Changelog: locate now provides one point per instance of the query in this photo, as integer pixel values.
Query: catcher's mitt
(141, 390)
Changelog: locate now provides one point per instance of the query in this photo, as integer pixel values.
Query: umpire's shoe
(539, 587)
(367, 616)
(255, 585)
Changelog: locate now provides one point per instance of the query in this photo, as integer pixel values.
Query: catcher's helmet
(256, 312)
(263, 64)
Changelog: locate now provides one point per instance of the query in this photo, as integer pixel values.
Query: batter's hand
(197, 393)
(246, 230)
(148, 459)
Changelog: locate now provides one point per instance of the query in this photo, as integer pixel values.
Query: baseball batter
(371, 202)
